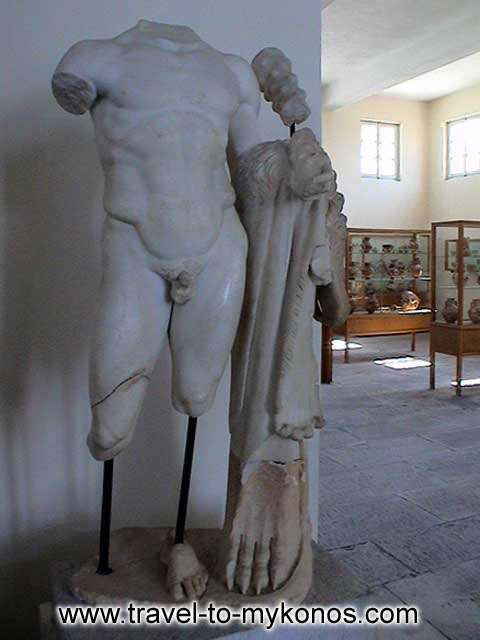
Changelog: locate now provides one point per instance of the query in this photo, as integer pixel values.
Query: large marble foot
(187, 578)
(265, 526)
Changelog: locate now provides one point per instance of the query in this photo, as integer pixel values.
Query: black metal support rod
(186, 477)
(292, 129)
(103, 568)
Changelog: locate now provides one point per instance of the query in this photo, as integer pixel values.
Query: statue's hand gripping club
(279, 86)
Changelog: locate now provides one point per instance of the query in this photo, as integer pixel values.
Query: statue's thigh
(203, 329)
(133, 314)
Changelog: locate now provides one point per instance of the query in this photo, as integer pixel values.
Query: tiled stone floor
(400, 488)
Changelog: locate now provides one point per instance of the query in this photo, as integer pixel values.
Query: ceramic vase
(367, 270)
(366, 245)
(409, 301)
(450, 310)
(474, 311)
(393, 269)
(413, 244)
(416, 268)
(372, 303)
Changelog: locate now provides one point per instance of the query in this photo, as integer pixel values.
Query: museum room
(275, 433)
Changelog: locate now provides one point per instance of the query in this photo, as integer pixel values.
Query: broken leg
(114, 417)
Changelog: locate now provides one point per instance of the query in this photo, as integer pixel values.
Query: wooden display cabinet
(455, 293)
(382, 264)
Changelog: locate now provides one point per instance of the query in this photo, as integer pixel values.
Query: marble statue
(188, 186)
(292, 214)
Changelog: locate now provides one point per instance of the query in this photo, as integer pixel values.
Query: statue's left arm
(271, 73)
(243, 131)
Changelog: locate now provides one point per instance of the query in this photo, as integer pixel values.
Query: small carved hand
(311, 173)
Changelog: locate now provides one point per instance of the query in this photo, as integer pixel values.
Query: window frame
(448, 124)
(397, 126)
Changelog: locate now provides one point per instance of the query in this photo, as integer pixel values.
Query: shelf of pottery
(388, 282)
(455, 294)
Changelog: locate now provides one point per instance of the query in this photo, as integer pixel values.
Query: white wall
(381, 203)
(457, 198)
(51, 218)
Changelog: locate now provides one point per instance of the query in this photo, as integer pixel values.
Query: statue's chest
(155, 79)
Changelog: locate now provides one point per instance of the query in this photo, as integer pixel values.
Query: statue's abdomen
(167, 175)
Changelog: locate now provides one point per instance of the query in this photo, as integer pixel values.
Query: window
(463, 147)
(379, 154)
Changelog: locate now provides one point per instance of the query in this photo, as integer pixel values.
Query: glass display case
(389, 283)
(455, 293)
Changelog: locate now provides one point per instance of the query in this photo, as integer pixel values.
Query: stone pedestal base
(139, 575)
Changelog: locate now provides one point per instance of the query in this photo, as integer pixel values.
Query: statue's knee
(101, 439)
(193, 402)
(115, 416)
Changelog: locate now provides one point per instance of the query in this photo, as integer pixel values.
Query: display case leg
(103, 568)
(327, 359)
(413, 345)
(186, 477)
(459, 376)
(347, 352)
(432, 370)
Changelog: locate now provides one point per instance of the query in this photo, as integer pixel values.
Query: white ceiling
(371, 45)
(441, 82)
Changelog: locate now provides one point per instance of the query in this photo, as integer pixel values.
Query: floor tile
(449, 599)
(382, 597)
(458, 438)
(400, 489)
(448, 502)
(340, 527)
(434, 547)
(370, 564)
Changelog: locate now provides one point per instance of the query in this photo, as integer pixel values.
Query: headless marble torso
(165, 106)
(162, 135)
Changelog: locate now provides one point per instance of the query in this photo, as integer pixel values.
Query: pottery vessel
(450, 310)
(372, 303)
(409, 301)
(455, 277)
(416, 268)
(390, 285)
(393, 269)
(366, 245)
(367, 270)
(474, 311)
